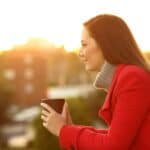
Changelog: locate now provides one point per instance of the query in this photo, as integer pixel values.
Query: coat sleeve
(131, 107)
(66, 142)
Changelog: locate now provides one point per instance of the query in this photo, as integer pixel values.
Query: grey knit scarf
(104, 77)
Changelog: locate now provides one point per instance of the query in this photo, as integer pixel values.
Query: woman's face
(90, 53)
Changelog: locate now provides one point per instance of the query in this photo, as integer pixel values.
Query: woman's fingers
(52, 120)
(65, 109)
(47, 107)
(45, 124)
(66, 114)
(44, 118)
(45, 113)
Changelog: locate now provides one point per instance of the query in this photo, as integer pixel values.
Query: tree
(6, 91)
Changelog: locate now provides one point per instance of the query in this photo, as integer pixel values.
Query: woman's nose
(81, 54)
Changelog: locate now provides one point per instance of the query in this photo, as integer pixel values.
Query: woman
(109, 47)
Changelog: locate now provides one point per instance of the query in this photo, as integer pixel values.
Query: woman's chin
(89, 68)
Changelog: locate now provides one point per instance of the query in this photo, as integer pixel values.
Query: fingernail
(41, 104)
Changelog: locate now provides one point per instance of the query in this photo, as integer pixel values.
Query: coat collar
(105, 112)
(104, 78)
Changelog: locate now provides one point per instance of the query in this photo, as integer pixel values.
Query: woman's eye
(83, 44)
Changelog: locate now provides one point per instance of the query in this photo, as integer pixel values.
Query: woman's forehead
(85, 35)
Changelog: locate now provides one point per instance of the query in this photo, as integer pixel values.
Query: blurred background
(39, 44)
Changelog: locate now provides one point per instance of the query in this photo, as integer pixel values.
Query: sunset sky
(60, 21)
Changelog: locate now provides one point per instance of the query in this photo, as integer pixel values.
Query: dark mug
(56, 103)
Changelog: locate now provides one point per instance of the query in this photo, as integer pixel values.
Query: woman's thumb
(65, 110)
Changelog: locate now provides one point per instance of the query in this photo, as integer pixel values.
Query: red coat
(126, 110)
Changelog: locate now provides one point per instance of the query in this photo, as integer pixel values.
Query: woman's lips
(85, 62)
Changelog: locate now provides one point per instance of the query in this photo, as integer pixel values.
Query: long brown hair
(116, 41)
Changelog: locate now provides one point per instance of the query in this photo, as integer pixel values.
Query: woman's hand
(54, 121)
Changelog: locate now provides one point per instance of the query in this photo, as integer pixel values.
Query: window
(28, 59)
(28, 73)
(29, 88)
(9, 74)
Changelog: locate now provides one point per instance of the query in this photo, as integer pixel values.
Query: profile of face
(90, 53)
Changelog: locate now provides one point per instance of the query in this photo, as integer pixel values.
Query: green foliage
(95, 101)
(80, 111)
(44, 140)
(84, 110)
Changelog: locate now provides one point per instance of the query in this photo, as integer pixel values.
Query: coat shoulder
(130, 72)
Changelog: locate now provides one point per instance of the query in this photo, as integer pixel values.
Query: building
(26, 69)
